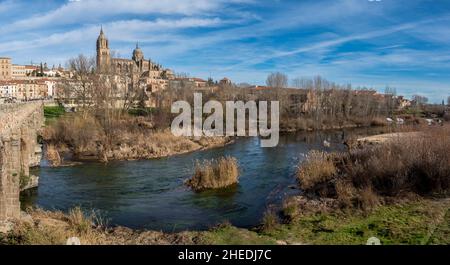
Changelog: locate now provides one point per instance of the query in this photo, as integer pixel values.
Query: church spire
(103, 52)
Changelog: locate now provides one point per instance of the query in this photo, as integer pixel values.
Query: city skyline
(365, 43)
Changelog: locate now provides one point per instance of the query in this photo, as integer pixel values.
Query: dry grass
(290, 209)
(126, 138)
(215, 173)
(80, 133)
(417, 165)
(317, 168)
(378, 122)
(54, 228)
(270, 221)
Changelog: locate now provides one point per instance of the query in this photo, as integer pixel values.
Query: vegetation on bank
(54, 228)
(348, 198)
(52, 112)
(421, 222)
(144, 111)
(214, 174)
(87, 136)
(364, 178)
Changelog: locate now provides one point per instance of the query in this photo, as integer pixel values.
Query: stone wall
(19, 125)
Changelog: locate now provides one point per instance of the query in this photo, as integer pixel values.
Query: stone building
(5, 68)
(225, 81)
(19, 71)
(153, 75)
(7, 89)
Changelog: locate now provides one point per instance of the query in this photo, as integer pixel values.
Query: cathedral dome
(138, 55)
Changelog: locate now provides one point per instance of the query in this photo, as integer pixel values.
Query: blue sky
(399, 43)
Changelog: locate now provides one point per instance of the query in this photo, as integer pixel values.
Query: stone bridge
(19, 125)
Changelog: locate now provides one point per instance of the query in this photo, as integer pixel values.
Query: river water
(149, 194)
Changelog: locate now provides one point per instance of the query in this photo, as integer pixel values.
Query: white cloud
(127, 30)
(7, 5)
(91, 11)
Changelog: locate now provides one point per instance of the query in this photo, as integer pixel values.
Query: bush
(378, 122)
(361, 178)
(290, 209)
(54, 228)
(215, 173)
(79, 221)
(269, 221)
(74, 130)
(317, 168)
(447, 116)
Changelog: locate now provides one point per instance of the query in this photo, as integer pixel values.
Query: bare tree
(390, 94)
(243, 85)
(297, 83)
(277, 80)
(80, 87)
(419, 100)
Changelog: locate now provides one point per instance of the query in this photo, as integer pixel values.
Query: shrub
(317, 168)
(79, 221)
(215, 173)
(75, 130)
(48, 228)
(416, 164)
(378, 122)
(269, 221)
(367, 199)
(447, 116)
(290, 209)
(345, 192)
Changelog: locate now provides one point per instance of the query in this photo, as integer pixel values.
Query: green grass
(230, 235)
(53, 112)
(441, 234)
(418, 223)
(415, 223)
(141, 111)
(414, 111)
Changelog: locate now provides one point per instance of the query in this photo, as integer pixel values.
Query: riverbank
(74, 138)
(91, 136)
(405, 215)
(421, 222)
(158, 144)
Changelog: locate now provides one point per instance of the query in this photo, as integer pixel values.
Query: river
(149, 194)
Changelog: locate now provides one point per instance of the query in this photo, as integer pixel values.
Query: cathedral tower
(103, 52)
(138, 57)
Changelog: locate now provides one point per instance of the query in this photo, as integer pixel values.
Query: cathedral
(155, 76)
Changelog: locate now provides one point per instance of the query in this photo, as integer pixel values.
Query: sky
(403, 44)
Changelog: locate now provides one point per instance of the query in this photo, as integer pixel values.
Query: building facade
(153, 75)
(7, 90)
(19, 71)
(5, 68)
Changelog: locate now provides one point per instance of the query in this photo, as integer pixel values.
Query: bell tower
(103, 52)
